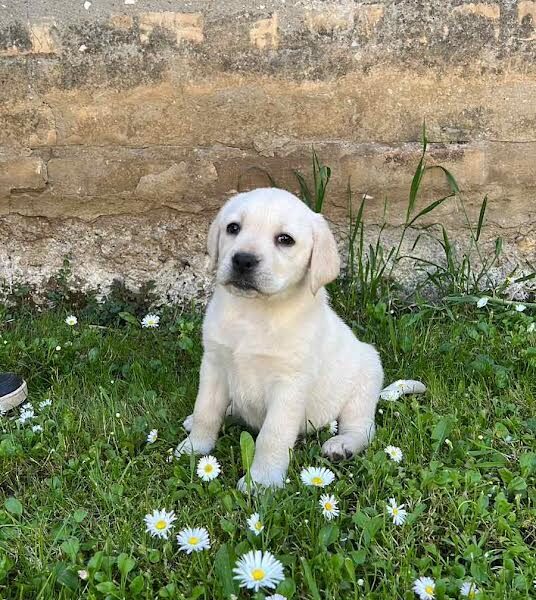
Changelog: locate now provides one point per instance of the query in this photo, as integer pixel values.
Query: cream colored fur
(279, 357)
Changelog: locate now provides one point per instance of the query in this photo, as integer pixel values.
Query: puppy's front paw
(264, 479)
(338, 448)
(193, 445)
(188, 423)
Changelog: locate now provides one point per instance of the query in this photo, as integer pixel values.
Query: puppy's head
(267, 241)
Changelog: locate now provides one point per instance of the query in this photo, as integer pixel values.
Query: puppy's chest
(252, 363)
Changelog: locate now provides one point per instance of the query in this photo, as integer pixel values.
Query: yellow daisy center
(193, 541)
(316, 480)
(395, 511)
(209, 468)
(328, 506)
(161, 524)
(257, 574)
(258, 525)
(429, 589)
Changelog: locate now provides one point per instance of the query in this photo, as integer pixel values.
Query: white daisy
(71, 320)
(193, 540)
(275, 597)
(83, 574)
(159, 523)
(333, 427)
(469, 589)
(482, 302)
(58, 348)
(26, 414)
(208, 468)
(424, 587)
(329, 506)
(45, 403)
(153, 434)
(394, 453)
(258, 569)
(150, 321)
(520, 307)
(37, 429)
(255, 524)
(317, 476)
(397, 512)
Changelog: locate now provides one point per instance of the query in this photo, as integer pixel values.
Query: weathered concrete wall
(125, 124)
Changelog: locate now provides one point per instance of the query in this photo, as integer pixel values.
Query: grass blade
(309, 580)
(481, 217)
(305, 193)
(433, 205)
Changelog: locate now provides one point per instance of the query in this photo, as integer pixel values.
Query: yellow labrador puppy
(275, 354)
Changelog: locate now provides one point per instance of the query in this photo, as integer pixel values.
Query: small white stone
(130, 1)
(82, 48)
(87, 4)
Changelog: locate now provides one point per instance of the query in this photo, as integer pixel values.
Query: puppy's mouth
(242, 284)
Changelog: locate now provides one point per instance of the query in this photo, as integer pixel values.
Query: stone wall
(124, 124)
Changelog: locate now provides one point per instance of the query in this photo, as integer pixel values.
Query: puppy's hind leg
(356, 422)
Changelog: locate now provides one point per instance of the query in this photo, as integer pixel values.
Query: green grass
(84, 485)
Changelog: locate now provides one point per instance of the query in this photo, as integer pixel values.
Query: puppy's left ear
(213, 242)
(325, 261)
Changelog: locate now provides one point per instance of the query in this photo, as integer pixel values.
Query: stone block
(22, 174)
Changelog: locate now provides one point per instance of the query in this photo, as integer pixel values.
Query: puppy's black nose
(244, 262)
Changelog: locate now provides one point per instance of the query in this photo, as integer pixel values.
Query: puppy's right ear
(213, 242)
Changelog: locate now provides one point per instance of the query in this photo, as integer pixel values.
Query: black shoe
(13, 391)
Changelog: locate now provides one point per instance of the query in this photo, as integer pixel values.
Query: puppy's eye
(284, 239)
(233, 228)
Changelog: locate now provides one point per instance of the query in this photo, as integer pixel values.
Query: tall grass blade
(481, 218)
(305, 193)
(433, 205)
(309, 580)
(417, 177)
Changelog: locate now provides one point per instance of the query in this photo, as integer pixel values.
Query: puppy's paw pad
(188, 423)
(337, 449)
